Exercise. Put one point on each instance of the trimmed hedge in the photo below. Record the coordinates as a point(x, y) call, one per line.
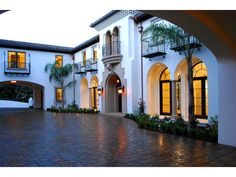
point(73, 108)
point(176, 126)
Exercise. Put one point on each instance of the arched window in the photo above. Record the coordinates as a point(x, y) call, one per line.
point(165, 93)
point(200, 90)
point(108, 44)
point(115, 41)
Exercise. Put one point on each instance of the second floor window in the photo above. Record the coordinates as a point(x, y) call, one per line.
point(58, 94)
point(59, 60)
point(95, 54)
point(16, 60)
point(84, 58)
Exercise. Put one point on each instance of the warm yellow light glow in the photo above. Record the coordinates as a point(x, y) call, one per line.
point(58, 94)
point(120, 91)
point(99, 92)
point(59, 60)
point(13, 82)
point(117, 81)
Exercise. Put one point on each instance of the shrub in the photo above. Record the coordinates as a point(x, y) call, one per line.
point(142, 120)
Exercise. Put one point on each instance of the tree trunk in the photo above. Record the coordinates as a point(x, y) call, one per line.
point(191, 118)
point(62, 95)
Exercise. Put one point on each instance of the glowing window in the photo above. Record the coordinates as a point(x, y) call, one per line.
point(16, 59)
point(200, 70)
point(95, 54)
point(200, 90)
point(165, 92)
point(58, 94)
point(165, 75)
point(59, 60)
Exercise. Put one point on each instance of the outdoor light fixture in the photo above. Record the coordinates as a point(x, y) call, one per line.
point(100, 90)
point(13, 82)
point(120, 89)
point(140, 28)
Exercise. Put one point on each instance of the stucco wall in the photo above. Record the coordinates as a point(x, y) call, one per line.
point(38, 62)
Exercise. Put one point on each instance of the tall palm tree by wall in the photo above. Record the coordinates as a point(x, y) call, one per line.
point(59, 74)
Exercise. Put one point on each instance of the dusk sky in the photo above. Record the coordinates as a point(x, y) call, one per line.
point(66, 22)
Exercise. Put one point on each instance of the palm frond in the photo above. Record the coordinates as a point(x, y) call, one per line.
point(70, 84)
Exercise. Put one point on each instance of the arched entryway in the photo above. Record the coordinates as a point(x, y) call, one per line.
point(93, 94)
point(113, 99)
point(200, 83)
point(157, 97)
point(37, 93)
point(84, 93)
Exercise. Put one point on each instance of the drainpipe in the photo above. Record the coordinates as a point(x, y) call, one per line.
point(140, 29)
point(73, 59)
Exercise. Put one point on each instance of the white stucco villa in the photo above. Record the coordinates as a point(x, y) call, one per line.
point(109, 75)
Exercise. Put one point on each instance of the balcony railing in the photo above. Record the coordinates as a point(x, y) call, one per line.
point(111, 53)
point(111, 49)
point(152, 48)
point(81, 68)
point(17, 68)
point(181, 45)
point(89, 66)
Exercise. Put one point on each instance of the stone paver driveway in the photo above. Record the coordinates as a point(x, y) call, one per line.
point(37, 138)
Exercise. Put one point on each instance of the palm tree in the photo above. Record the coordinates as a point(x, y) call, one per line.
point(58, 74)
point(174, 35)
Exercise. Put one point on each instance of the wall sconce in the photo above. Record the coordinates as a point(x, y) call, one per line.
point(120, 89)
point(100, 90)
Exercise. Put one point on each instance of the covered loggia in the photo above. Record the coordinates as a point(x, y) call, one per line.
point(216, 29)
point(35, 91)
point(158, 90)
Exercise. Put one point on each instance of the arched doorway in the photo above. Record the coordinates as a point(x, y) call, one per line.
point(20, 89)
point(200, 83)
point(93, 93)
point(113, 100)
point(165, 92)
point(84, 93)
point(153, 87)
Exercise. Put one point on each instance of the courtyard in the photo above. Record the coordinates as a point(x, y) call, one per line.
point(32, 138)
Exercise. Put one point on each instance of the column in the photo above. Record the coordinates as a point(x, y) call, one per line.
point(173, 97)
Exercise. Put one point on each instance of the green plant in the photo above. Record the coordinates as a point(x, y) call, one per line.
point(142, 120)
point(59, 75)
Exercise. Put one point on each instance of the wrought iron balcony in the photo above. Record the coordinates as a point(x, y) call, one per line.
point(81, 68)
point(152, 48)
point(111, 53)
point(91, 65)
point(181, 45)
point(17, 68)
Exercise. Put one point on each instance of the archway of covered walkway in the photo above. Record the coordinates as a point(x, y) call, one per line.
point(216, 29)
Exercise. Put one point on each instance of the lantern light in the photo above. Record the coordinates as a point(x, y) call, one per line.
point(100, 90)
point(121, 89)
